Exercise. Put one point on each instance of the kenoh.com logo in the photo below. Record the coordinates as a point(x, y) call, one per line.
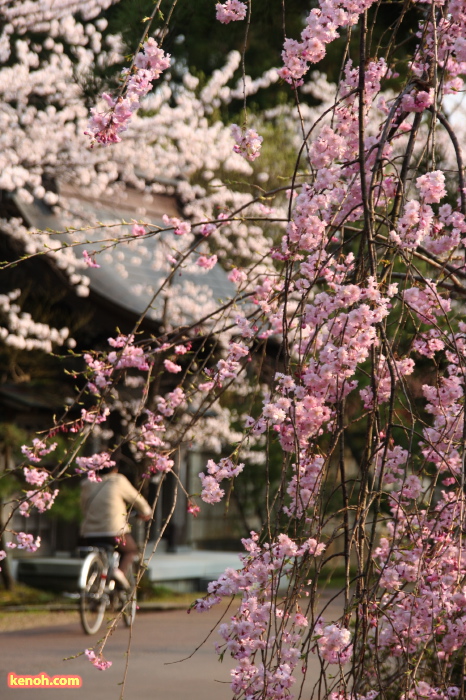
point(43, 680)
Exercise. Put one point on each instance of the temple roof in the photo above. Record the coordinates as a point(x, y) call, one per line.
point(133, 273)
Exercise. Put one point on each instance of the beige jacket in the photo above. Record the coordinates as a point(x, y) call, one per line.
point(105, 504)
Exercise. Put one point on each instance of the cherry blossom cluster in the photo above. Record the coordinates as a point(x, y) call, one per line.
point(230, 367)
point(384, 381)
point(148, 66)
point(97, 660)
point(446, 41)
point(322, 28)
point(40, 13)
point(225, 469)
point(168, 405)
point(230, 11)
point(36, 477)
point(414, 226)
point(101, 371)
point(394, 465)
point(435, 562)
point(95, 415)
point(443, 438)
point(432, 186)
point(150, 441)
point(25, 541)
point(90, 260)
point(334, 644)
point(429, 343)
point(446, 237)
point(253, 631)
point(20, 331)
point(426, 302)
point(150, 437)
point(39, 449)
point(42, 500)
point(425, 690)
point(418, 100)
point(180, 228)
point(127, 354)
point(303, 487)
point(248, 142)
point(207, 262)
point(90, 466)
point(172, 367)
point(341, 341)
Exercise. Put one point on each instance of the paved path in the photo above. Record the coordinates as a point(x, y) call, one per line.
point(158, 638)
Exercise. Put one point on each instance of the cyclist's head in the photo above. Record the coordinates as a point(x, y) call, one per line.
point(107, 470)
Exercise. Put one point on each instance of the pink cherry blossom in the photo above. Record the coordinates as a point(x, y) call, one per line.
point(24, 541)
point(37, 477)
point(207, 229)
point(334, 644)
point(91, 465)
point(432, 186)
point(104, 127)
point(172, 366)
point(39, 449)
point(418, 101)
point(97, 660)
point(162, 463)
point(237, 276)
point(206, 386)
point(89, 260)
point(126, 353)
point(138, 230)
point(193, 509)
point(230, 11)
point(211, 491)
point(180, 227)
point(207, 262)
point(248, 142)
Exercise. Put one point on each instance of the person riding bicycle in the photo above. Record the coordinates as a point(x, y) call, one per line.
point(104, 506)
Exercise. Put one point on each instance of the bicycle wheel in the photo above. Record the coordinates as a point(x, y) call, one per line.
point(92, 601)
point(128, 599)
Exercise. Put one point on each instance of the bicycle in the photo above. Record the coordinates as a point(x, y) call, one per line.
point(98, 589)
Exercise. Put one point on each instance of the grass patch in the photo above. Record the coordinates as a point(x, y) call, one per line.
point(163, 594)
point(25, 595)
point(15, 621)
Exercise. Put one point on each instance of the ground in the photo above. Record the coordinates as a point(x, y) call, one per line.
point(159, 640)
